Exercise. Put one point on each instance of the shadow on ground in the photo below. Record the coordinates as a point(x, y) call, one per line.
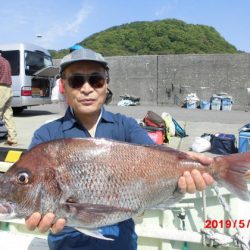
point(27, 113)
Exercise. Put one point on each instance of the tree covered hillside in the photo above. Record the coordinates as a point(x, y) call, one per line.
point(169, 36)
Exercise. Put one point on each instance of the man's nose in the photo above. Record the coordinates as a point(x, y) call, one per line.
point(86, 87)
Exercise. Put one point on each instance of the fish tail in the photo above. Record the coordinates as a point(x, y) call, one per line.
point(233, 172)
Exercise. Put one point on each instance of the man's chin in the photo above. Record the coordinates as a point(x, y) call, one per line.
point(89, 109)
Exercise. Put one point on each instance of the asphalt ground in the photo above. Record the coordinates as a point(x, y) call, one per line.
point(196, 122)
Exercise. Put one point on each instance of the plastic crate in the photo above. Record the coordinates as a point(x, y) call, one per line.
point(216, 104)
point(226, 105)
point(205, 105)
point(191, 105)
point(244, 142)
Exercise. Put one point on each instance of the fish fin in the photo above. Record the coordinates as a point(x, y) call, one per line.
point(140, 213)
point(96, 208)
point(93, 233)
point(179, 155)
point(86, 217)
point(177, 196)
point(91, 213)
point(233, 171)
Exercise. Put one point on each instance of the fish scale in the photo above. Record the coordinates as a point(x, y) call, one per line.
point(98, 182)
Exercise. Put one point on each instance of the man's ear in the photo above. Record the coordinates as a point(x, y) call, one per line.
point(108, 96)
point(61, 86)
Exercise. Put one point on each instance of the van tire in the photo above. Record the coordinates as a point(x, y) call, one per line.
point(17, 110)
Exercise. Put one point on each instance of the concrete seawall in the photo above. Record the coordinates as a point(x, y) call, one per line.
point(167, 79)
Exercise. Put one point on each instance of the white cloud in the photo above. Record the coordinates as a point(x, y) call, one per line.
point(80, 17)
point(68, 28)
point(161, 12)
point(167, 9)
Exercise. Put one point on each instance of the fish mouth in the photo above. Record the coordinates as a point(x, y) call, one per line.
point(7, 210)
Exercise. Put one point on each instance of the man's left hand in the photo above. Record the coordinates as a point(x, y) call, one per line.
point(194, 181)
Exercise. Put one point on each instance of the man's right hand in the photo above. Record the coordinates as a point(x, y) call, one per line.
point(45, 223)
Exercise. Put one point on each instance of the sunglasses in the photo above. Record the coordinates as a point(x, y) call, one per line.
point(95, 80)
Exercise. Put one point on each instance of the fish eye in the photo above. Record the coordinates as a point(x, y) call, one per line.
point(23, 178)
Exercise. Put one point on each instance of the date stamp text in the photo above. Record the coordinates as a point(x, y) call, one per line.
point(227, 224)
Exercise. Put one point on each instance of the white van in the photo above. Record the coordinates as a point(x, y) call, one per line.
point(29, 88)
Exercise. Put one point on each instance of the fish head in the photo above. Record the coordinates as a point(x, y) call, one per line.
point(16, 191)
point(28, 186)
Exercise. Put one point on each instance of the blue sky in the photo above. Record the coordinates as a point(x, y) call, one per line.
point(65, 22)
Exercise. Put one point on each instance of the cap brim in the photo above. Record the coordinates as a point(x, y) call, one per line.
point(63, 66)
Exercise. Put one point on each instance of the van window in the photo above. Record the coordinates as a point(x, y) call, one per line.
point(13, 56)
point(36, 60)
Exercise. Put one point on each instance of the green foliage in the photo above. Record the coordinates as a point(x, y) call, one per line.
point(58, 54)
point(169, 36)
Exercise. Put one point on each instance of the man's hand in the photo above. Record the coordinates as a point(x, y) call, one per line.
point(45, 223)
point(194, 181)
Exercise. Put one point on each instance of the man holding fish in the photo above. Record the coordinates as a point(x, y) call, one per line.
point(84, 80)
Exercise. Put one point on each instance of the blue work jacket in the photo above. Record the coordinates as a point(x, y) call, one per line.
point(112, 126)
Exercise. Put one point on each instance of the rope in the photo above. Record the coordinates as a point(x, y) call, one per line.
point(204, 203)
point(216, 239)
point(240, 240)
point(182, 216)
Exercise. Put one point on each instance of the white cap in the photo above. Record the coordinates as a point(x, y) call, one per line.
point(82, 55)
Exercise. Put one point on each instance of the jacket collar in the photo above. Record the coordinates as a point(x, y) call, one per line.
point(70, 121)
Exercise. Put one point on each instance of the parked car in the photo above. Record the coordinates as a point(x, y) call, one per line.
point(29, 88)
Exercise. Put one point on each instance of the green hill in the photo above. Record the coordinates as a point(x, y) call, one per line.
point(169, 36)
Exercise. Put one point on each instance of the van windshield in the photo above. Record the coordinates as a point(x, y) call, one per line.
point(36, 60)
point(13, 56)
